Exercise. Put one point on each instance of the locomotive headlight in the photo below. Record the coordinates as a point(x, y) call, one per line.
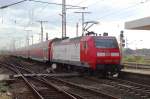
point(115, 54)
point(100, 54)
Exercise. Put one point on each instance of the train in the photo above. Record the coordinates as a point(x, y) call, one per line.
point(97, 54)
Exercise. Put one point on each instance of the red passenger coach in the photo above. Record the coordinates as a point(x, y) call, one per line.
point(41, 51)
point(95, 53)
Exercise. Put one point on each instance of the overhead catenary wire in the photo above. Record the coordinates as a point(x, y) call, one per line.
point(108, 14)
point(112, 13)
point(119, 11)
point(81, 2)
point(64, 5)
point(12, 4)
point(3, 7)
point(59, 4)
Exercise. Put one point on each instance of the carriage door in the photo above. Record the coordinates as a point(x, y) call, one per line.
point(45, 54)
point(84, 51)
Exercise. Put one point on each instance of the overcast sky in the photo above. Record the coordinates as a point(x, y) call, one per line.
point(111, 15)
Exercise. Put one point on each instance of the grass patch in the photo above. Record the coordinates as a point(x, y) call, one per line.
point(136, 59)
point(4, 96)
point(4, 87)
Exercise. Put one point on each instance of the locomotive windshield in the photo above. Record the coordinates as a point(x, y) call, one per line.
point(106, 43)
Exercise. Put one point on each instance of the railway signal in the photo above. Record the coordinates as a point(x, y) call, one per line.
point(122, 40)
point(122, 43)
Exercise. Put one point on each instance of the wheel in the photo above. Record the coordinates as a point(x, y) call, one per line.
point(104, 74)
point(54, 66)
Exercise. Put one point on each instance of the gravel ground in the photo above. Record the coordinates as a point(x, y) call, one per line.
point(17, 88)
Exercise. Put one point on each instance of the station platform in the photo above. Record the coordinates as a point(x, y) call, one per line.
point(137, 71)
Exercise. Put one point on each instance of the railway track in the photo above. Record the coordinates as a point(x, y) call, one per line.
point(71, 91)
point(40, 89)
point(46, 90)
point(83, 91)
point(83, 87)
point(136, 90)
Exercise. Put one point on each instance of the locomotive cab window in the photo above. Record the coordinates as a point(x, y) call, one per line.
point(106, 43)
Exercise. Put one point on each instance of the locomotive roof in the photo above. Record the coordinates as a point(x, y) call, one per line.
point(105, 37)
point(57, 40)
point(78, 39)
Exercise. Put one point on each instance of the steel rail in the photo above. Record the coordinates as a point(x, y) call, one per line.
point(130, 82)
point(136, 85)
point(39, 96)
point(118, 83)
point(43, 80)
point(72, 84)
point(85, 88)
point(142, 90)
